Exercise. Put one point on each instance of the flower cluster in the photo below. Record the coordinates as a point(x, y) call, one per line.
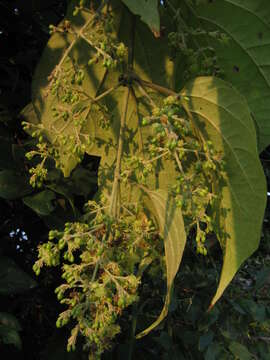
point(100, 270)
point(198, 165)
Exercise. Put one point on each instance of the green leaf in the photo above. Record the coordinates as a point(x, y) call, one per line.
point(171, 227)
point(221, 115)
point(240, 351)
point(13, 280)
point(41, 203)
point(13, 185)
point(97, 81)
point(205, 340)
point(262, 278)
point(245, 59)
point(9, 335)
point(147, 10)
point(10, 321)
point(213, 352)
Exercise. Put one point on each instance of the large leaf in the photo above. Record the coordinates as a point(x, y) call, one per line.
point(97, 81)
point(147, 10)
point(13, 280)
point(172, 230)
point(222, 116)
point(245, 60)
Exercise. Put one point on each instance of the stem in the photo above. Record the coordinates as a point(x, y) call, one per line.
point(133, 330)
point(158, 157)
point(115, 188)
point(105, 93)
point(71, 45)
point(159, 88)
point(178, 162)
point(144, 93)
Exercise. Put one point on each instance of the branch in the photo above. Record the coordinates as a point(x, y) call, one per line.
point(115, 188)
point(159, 88)
point(68, 50)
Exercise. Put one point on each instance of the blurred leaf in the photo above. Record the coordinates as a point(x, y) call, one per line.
point(213, 352)
point(262, 278)
point(237, 307)
point(9, 335)
point(205, 340)
point(13, 185)
point(41, 203)
point(240, 351)
point(10, 321)
point(13, 280)
point(257, 311)
point(209, 319)
point(164, 340)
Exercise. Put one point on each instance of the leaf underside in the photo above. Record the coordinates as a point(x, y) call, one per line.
point(222, 116)
point(147, 10)
point(245, 59)
point(172, 230)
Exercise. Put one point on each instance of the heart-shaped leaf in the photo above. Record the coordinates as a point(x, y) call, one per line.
point(222, 116)
point(66, 49)
point(245, 59)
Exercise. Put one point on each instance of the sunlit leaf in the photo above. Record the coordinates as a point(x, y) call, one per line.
point(222, 116)
point(147, 10)
point(172, 230)
point(97, 81)
point(245, 59)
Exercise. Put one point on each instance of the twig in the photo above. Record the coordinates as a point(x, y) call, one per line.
point(159, 88)
point(113, 204)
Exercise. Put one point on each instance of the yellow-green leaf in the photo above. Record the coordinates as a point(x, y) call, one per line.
point(221, 114)
point(147, 10)
point(97, 81)
point(171, 227)
point(245, 58)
